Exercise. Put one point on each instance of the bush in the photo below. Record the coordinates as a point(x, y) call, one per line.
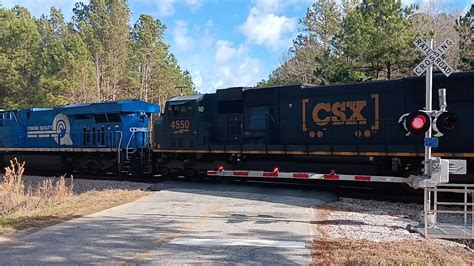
point(14, 198)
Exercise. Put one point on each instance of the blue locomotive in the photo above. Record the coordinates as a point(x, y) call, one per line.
point(92, 138)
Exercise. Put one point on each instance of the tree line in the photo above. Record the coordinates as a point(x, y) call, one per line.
point(370, 39)
point(96, 56)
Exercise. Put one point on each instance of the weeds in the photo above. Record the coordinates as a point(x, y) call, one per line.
point(50, 201)
point(15, 199)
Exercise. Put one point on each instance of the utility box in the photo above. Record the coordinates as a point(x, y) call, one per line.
point(439, 169)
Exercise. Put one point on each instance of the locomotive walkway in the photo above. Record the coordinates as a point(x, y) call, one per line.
point(183, 223)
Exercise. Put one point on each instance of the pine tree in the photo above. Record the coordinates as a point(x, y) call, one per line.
point(64, 64)
point(147, 35)
point(97, 57)
point(465, 28)
point(377, 34)
point(103, 25)
point(19, 46)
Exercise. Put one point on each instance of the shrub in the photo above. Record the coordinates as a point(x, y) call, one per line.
point(15, 198)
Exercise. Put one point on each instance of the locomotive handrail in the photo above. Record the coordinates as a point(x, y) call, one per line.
point(14, 116)
point(119, 146)
point(128, 145)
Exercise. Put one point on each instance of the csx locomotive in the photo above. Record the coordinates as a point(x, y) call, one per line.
point(348, 128)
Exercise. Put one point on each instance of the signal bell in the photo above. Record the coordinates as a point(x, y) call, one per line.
point(414, 123)
point(444, 123)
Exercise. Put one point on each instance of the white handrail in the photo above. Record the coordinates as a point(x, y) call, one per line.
point(431, 208)
point(118, 146)
point(128, 145)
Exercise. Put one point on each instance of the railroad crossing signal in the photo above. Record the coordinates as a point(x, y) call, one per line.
point(433, 56)
point(419, 122)
point(443, 123)
point(414, 123)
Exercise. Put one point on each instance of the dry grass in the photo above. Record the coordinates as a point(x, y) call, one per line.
point(15, 199)
point(362, 252)
point(50, 202)
point(346, 251)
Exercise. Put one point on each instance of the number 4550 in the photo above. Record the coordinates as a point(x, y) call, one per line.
point(180, 124)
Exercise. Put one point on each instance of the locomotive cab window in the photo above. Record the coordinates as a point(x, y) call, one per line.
point(182, 109)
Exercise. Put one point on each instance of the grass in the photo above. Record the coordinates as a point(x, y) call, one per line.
point(51, 201)
point(347, 251)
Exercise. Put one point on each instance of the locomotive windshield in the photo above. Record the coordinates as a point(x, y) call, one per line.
point(183, 105)
point(183, 109)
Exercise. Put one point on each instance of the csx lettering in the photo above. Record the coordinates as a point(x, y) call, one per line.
point(323, 113)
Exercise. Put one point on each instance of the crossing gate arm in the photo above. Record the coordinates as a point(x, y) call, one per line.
point(306, 175)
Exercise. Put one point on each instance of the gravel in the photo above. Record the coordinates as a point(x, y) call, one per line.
point(378, 221)
point(84, 185)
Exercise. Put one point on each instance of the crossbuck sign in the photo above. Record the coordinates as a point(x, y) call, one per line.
point(433, 57)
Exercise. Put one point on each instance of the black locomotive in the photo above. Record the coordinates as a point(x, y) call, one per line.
point(349, 128)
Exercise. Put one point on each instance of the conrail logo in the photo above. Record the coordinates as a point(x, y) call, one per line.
point(60, 130)
point(138, 129)
point(342, 113)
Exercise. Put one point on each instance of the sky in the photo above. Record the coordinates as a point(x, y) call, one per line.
point(222, 43)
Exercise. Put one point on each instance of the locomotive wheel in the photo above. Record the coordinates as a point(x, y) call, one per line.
point(192, 174)
point(166, 173)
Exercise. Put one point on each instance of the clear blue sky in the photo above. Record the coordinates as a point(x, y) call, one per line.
point(222, 42)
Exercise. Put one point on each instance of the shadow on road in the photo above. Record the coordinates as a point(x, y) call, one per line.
point(251, 191)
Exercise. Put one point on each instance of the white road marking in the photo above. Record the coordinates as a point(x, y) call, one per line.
point(237, 242)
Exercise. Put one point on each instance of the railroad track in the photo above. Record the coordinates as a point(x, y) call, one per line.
point(383, 192)
point(359, 190)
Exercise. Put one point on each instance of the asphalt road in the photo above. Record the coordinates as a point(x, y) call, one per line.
point(183, 223)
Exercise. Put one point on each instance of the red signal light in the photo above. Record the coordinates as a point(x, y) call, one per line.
point(418, 122)
point(414, 123)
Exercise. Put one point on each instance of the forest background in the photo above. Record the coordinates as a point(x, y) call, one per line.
point(99, 55)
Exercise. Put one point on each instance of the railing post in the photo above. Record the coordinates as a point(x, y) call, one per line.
point(465, 205)
point(435, 205)
point(425, 208)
